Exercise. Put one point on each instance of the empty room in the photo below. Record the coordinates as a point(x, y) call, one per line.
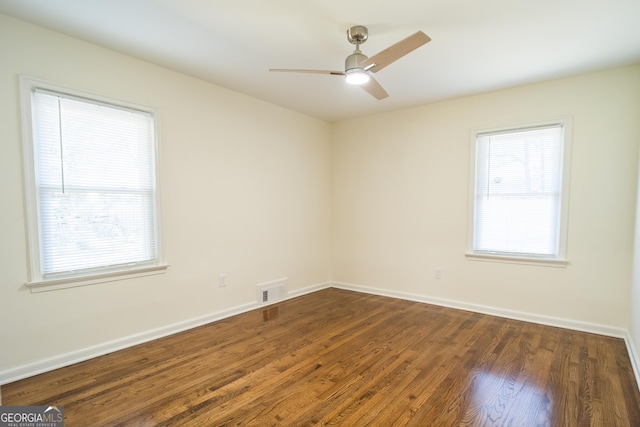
point(320, 213)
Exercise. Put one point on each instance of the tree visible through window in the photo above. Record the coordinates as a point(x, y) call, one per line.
point(93, 186)
point(519, 193)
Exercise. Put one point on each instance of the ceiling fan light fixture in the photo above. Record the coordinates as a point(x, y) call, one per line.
point(356, 76)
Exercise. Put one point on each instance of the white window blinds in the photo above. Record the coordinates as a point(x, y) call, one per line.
point(518, 192)
point(95, 185)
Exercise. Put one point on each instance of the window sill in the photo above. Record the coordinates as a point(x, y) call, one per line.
point(541, 262)
point(72, 282)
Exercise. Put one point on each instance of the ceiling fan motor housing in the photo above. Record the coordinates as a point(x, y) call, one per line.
point(354, 60)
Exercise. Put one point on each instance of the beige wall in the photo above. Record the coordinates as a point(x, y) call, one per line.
point(634, 324)
point(401, 200)
point(246, 192)
point(259, 192)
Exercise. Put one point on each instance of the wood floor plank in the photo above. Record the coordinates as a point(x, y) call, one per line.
point(343, 358)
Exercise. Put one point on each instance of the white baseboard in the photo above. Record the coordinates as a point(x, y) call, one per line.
point(493, 311)
point(308, 290)
point(633, 355)
point(45, 365)
point(66, 359)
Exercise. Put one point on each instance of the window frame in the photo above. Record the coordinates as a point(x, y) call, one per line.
point(36, 281)
point(496, 256)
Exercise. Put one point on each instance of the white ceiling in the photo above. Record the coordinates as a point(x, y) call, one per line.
point(476, 45)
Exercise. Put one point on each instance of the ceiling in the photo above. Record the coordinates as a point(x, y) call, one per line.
point(476, 46)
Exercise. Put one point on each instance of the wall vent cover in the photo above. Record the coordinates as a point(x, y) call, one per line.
point(273, 291)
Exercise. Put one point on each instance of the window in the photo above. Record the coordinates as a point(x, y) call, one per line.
point(520, 182)
point(92, 189)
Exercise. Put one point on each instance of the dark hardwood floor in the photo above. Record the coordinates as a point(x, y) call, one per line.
point(336, 357)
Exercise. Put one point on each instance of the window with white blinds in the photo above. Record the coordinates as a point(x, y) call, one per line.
point(519, 203)
point(93, 186)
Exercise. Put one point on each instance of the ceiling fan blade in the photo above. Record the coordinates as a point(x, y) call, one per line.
point(286, 70)
point(393, 53)
point(374, 89)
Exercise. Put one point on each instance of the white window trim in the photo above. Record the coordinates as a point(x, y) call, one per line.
point(561, 260)
point(36, 282)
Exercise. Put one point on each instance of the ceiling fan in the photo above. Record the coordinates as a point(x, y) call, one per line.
point(358, 67)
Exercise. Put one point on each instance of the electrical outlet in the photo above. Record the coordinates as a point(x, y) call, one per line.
point(437, 274)
point(222, 280)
